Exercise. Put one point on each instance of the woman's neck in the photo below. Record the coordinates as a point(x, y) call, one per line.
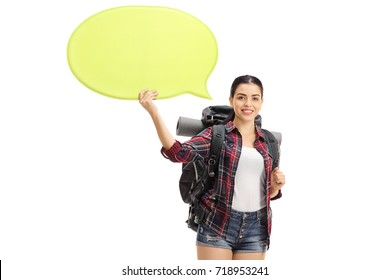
point(245, 128)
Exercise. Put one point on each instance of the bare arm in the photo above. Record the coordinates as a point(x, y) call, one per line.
point(146, 98)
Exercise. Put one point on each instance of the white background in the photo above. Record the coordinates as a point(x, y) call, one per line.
point(84, 191)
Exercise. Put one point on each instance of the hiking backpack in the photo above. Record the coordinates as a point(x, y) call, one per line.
point(198, 177)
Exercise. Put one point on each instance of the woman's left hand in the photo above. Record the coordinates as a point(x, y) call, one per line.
point(277, 181)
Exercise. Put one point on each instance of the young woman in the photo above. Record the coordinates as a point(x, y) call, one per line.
point(237, 220)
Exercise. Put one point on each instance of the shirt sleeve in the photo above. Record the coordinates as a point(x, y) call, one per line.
point(198, 147)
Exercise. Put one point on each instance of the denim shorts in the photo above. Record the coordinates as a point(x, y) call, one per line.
point(247, 233)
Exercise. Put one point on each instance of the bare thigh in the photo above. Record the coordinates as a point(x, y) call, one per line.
point(248, 256)
point(213, 253)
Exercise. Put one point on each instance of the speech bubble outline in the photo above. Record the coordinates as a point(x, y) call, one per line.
point(119, 51)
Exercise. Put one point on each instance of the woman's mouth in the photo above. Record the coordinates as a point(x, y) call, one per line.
point(247, 111)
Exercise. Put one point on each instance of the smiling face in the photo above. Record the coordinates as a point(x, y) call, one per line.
point(246, 102)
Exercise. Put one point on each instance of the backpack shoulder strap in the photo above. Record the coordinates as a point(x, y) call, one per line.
point(215, 149)
point(273, 147)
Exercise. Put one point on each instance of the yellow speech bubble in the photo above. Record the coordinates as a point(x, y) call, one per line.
point(120, 51)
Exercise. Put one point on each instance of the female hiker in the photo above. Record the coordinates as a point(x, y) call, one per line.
point(237, 219)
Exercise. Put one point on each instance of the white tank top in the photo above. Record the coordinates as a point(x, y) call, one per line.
point(249, 189)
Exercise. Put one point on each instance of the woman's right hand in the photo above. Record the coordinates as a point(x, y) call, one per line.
point(146, 98)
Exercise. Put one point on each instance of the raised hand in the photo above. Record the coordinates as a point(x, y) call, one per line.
point(146, 98)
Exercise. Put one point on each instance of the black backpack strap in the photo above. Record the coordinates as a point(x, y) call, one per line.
point(215, 149)
point(212, 164)
point(274, 151)
point(273, 147)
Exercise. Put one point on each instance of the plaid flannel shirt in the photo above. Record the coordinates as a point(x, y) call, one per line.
point(217, 203)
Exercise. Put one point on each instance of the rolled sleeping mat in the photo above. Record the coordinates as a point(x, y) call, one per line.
point(189, 127)
point(278, 137)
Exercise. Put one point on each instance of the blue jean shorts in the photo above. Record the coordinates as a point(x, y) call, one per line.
point(247, 233)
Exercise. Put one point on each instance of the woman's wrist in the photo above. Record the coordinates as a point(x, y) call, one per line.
point(274, 193)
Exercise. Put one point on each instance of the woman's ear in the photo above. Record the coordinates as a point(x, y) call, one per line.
point(231, 101)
